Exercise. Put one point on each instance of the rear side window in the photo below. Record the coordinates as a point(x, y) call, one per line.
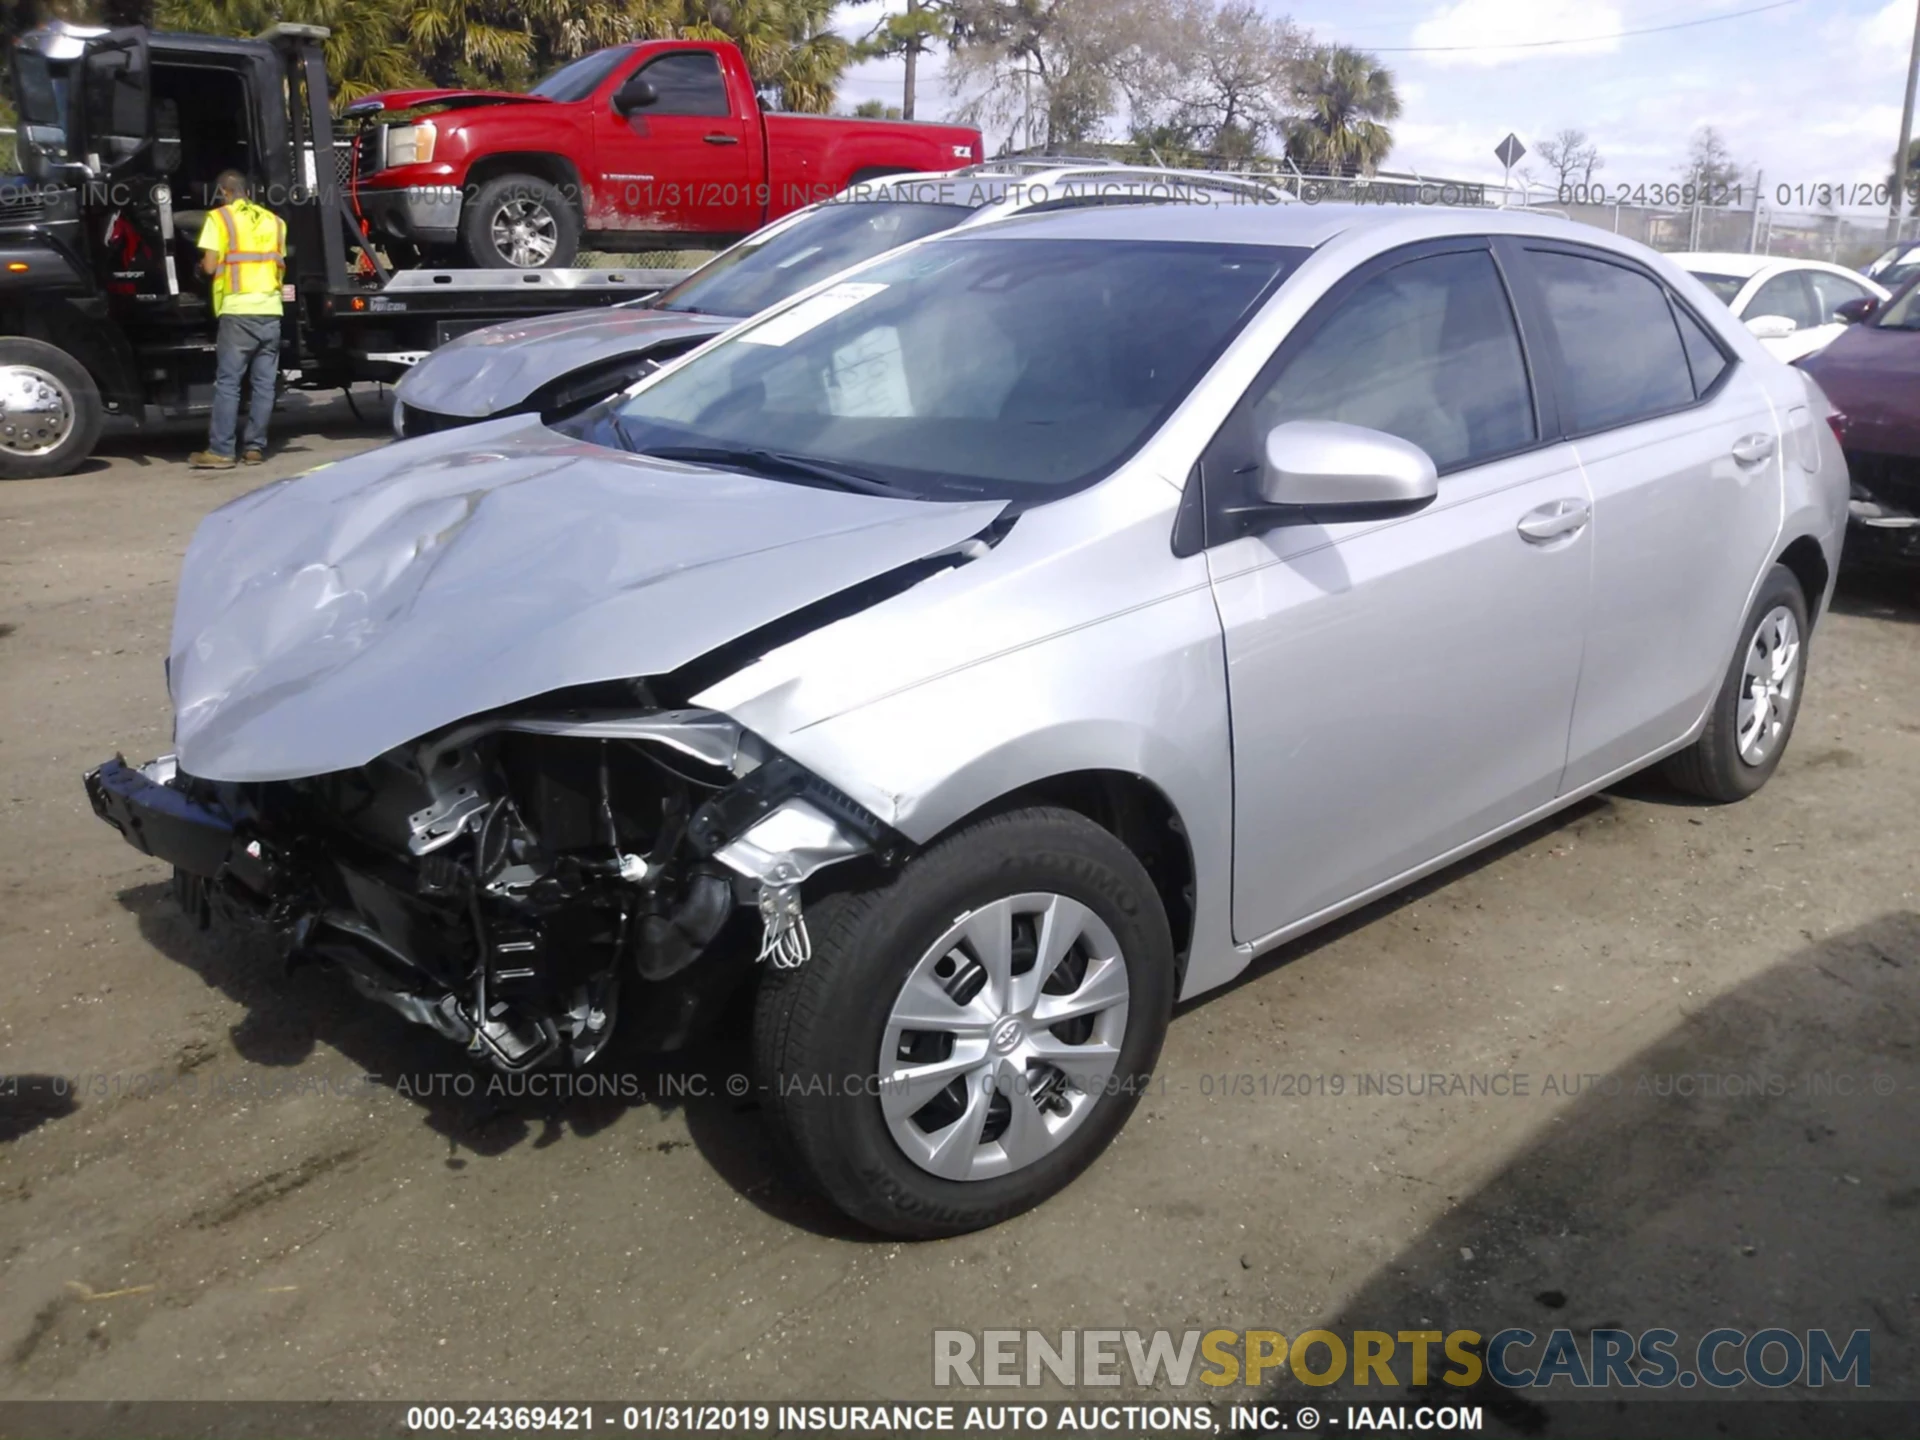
point(1617, 339)
point(688, 83)
point(1426, 351)
point(1704, 356)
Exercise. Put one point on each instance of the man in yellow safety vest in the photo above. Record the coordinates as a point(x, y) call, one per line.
point(244, 248)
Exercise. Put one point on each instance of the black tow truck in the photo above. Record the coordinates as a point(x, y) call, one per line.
point(103, 309)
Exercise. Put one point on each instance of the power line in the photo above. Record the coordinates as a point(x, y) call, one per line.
point(1581, 39)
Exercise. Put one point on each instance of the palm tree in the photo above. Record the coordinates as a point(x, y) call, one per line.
point(1345, 96)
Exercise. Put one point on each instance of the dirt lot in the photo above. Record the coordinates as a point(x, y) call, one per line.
point(224, 1205)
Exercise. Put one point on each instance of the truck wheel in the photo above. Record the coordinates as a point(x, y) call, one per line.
point(50, 410)
point(968, 1035)
point(520, 222)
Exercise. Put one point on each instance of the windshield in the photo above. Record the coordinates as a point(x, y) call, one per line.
point(1903, 311)
point(967, 367)
point(758, 273)
point(580, 78)
point(1724, 287)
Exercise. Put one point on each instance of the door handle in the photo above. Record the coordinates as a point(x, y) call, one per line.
point(1554, 520)
point(722, 139)
point(1752, 449)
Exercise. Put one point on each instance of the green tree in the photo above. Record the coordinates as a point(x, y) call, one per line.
point(877, 110)
point(1344, 98)
point(392, 44)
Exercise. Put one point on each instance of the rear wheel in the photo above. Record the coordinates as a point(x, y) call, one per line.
point(1752, 717)
point(520, 222)
point(50, 410)
point(969, 1036)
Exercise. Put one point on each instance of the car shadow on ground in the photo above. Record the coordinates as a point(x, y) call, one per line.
point(1878, 593)
point(1758, 1166)
point(289, 1014)
point(365, 411)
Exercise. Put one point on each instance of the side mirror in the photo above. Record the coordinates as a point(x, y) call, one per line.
point(1854, 311)
point(1771, 327)
point(636, 94)
point(1325, 469)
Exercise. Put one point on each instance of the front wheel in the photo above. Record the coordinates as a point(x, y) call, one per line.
point(50, 410)
point(520, 222)
point(968, 1037)
point(1752, 717)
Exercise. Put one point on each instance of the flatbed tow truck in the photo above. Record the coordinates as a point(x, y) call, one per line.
point(103, 309)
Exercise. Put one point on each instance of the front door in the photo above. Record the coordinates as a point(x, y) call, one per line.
point(687, 160)
point(1680, 447)
point(1399, 688)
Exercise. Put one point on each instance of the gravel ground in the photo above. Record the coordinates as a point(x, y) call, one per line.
point(223, 1205)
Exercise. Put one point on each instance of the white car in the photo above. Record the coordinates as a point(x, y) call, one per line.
point(1791, 306)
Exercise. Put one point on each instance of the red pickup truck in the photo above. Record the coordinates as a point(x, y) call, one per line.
point(619, 150)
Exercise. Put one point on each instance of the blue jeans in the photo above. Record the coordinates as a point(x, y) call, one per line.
point(247, 345)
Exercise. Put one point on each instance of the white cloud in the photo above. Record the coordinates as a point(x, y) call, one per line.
point(1474, 32)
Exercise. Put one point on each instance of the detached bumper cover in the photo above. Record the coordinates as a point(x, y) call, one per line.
point(159, 820)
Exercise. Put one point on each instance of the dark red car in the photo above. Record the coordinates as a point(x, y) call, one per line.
point(1872, 375)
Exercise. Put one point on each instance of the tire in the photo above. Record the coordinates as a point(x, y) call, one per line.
point(819, 1029)
point(50, 410)
point(524, 216)
point(877, 172)
point(1718, 766)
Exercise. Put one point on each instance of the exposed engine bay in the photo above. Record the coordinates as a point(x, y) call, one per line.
point(511, 881)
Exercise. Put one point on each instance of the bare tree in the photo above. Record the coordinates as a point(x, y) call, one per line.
point(1571, 156)
point(1710, 167)
point(1049, 69)
point(1221, 75)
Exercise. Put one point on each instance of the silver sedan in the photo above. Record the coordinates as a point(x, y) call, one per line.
point(990, 646)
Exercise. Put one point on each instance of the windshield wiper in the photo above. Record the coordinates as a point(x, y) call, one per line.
point(776, 462)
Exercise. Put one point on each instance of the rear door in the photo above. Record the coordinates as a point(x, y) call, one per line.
point(1682, 454)
point(685, 162)
point(1398, 688)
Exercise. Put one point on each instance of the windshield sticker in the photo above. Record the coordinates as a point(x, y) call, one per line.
point(791, 324)
point(869, 377)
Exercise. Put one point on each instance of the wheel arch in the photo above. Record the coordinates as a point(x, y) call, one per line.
point(100, 347)
point(1808, 562)
point(1137, 813)
point(556, 170)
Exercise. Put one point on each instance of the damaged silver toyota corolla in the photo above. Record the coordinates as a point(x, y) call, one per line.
point(987, 647)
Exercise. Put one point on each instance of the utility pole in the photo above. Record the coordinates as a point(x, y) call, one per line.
point(1906, 137)
point(912, 57)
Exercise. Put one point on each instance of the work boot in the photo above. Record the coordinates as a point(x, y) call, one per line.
point(207, 460)
point(253, 455)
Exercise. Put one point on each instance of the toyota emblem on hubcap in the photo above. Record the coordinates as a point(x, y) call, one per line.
point(1006, 1035)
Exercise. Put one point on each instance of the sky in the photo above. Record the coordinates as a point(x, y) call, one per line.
point(1807, 91)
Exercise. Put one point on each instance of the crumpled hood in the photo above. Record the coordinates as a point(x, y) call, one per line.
point(452, 99)
point(326, 619)
point(489, 371)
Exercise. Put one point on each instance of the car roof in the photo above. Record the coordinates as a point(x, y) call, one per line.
point(1725, 262)
point(1300, 224)
point(1024, 186)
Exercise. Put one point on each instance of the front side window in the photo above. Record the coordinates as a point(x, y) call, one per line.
point(1902, 312)
point(758, 273)
point(1833, 291)
point(1617, 339)
point(1014, 368)
point(580, 78)
point(1787, 295)
point(1427, 351)
point(688, 82)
